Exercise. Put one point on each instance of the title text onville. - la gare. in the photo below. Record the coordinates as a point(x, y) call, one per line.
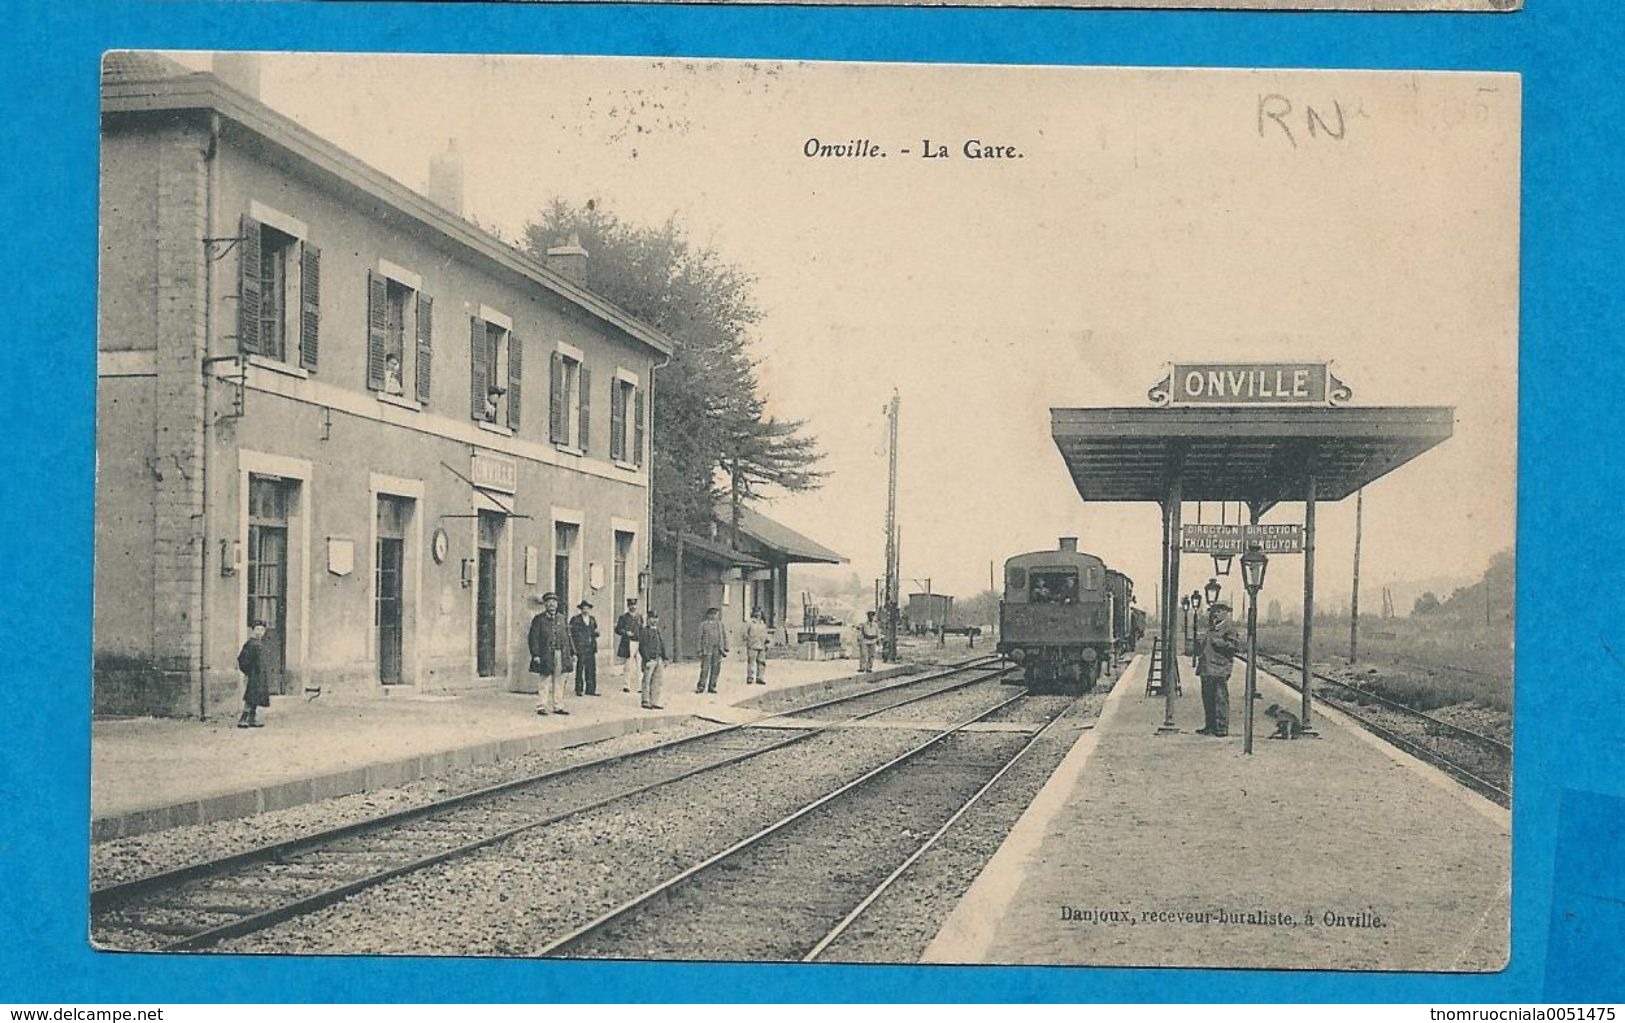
point(867, 149)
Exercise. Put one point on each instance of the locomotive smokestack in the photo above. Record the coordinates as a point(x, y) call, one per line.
point(1069, 543)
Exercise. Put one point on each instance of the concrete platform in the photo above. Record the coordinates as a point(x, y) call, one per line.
point(1332, 853)
point(148, 774)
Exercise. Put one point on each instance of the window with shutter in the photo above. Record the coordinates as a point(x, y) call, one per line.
point(617, 421)
point(557, 428)
point(248, 287)
point(584, 433)
point(425, 359)
point(637, 426)
point(479, 381)
point(310, 301)
point(377, 329)
point(515, 349)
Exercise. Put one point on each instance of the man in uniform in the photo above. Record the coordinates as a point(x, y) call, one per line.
point(549, 642)
point(627, 627)
point(584, 646)
point(756, 644)
point(868, 636)
point(652, 648)
point(713, 648)
point(1215, 656)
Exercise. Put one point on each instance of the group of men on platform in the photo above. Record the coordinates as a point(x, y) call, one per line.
point(557, 644)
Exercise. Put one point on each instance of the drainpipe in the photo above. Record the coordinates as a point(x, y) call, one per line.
point(210, 189)
point(649, 491)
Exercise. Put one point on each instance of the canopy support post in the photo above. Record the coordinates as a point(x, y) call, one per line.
point(1308, 596)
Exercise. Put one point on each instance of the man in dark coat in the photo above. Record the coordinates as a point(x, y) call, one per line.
point(652, 648)
point(627, 627)
point(584, 647)
point(256, 690)
point(1215, 656)
point(713, 648)
point(549, 651)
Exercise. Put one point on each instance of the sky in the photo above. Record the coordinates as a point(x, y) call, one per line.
point(1151, 216)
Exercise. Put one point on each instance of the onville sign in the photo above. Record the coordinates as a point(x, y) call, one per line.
point(1250, 383)
point(1278, 538)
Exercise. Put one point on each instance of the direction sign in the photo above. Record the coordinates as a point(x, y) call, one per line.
point(1277, 538)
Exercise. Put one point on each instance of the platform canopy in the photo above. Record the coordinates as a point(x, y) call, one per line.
point(1259, 455)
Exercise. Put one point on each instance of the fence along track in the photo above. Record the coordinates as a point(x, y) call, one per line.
point(113, 900)
point(1462, 774)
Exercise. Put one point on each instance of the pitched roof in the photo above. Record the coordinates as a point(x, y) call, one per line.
point(134, 83)
point(777, 537)
point(711, 550)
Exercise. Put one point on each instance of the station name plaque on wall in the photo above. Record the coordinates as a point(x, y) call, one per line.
point(492, 472)
point(1250, 383)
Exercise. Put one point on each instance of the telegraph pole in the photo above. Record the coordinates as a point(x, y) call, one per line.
point(889, 653)
point(1354, 603)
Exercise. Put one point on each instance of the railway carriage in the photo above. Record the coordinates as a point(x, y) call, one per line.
point(1120, 591)
point(1055, 618)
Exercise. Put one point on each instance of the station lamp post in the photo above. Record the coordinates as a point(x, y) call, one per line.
point(1213, 590)
point(1253, 565)
point(1185, 621)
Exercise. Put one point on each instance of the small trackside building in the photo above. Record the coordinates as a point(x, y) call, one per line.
point(334, 406)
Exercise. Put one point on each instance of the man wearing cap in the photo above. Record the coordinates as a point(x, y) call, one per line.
point(713, 648)
point(868, 636)
point(757, 639)
point(1215, 656)
point(652, 648)
point(549, 651)
point(627, 627)
point(584, 646)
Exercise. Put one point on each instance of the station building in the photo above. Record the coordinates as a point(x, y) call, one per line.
point(333, 405)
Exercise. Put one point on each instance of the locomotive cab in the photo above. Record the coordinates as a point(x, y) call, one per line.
point(1055, 619)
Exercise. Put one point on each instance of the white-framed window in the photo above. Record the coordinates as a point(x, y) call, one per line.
point(626, 420)
point(278, 289)
point(400, 323)
point(494, 382)
point(570, 400)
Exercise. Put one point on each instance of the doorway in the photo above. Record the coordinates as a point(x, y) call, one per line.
point(389, 600)
point(485, 603)
point(268, 499)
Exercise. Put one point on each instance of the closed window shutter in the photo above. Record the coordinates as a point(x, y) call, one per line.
point(377, 328)
point(310, 301)
point(425, 346)
point(617, 421)
point(515, 349)
point(637, 426)
point(249, 272)
point(586, 407)
point(479, 383)
point(555, 402)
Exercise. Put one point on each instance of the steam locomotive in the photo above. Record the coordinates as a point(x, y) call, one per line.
point(1064, 616)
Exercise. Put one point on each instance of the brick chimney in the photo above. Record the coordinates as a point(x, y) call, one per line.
point(446, 178)
point(1070, 544)
point(569, 260)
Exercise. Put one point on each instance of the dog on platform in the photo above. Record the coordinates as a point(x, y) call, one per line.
point(1287, 725)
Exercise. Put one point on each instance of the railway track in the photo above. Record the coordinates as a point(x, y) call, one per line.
point(1480, 762)
point(793, 888)
point(203, 903)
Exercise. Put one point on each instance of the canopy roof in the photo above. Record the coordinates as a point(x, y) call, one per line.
point(775, 537)
point(1260, 455)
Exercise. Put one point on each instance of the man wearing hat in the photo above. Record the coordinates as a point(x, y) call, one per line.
point(1215, 656)
point(584, 645)
point(627, 628)
point(549, 651)
point(713, 648)
point(652, 648)
point(868, 636)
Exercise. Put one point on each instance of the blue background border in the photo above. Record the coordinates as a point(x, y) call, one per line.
point(1571, 649)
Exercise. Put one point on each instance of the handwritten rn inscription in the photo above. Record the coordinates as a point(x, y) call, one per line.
point(1279, 117)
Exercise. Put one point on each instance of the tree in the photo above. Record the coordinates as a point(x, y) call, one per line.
point(709, 417)
point(1426, 604)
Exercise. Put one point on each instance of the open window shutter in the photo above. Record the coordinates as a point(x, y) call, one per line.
point(249, 273)
point(555, 403)
point(515, 349)
point(425, 345)
point(586, 407)
point(310, 299)
point(478, 383)
point(377, 328)
point(617, 421)
point(637, 426)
